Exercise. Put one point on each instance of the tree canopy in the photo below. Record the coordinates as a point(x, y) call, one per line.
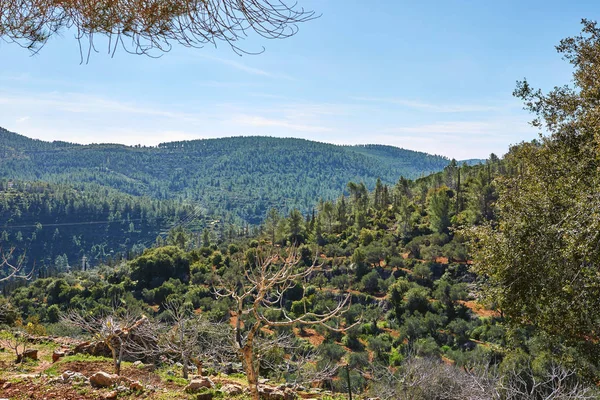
point(541, 258)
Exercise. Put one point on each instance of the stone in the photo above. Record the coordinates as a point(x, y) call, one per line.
point(6, 385)
point(57, 355)
point(103, 379)
point(272, 394)
point(136, 386)
point(231, 389)
point(198, 384)
point(32, 354)
point(204, 396)
point(111, 395)
point(138, 364)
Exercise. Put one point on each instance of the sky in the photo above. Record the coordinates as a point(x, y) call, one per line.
point(432, 76)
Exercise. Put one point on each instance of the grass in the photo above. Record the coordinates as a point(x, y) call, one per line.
point(54, 369)
point(174, 378)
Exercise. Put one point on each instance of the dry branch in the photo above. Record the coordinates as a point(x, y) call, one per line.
point(148, 26)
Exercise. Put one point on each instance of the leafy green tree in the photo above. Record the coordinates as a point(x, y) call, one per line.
point(541, 259)
point(439, 210)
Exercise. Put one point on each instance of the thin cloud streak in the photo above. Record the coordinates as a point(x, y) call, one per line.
point(259, 121)
point(244, 68)
point(431, 107)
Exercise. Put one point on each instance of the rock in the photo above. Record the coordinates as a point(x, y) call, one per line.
point(125, 380)
point(262, 381)
point(231, 389)
point(179, 365)
point(6, 385)
point(103, 379)
point(271, 394)
point(136, 386)
point(31, 354)
point(205, 396)
point(111, 395)
point(289, 394)
point(197, 384)
point(57, 355)
point(138, 364)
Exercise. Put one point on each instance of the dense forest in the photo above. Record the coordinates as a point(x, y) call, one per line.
point(401, 251)
point(241, 176)
point(61, 202)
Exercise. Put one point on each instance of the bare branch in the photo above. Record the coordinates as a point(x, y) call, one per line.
point(148, 27)
point(13, 270)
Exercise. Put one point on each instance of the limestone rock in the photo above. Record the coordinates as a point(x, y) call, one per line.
point(204, 396)
point(31, 354)
point(111, 395)
point(231, 389)
point(103, 379)
point(198, 384)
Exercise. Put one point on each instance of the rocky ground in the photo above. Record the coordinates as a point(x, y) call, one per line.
point(53, 371)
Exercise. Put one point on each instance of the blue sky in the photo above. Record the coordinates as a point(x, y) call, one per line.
point(434, 76)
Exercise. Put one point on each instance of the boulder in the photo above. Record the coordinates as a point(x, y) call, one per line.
point(204, 396)
point(138, 364)
point(231, 389)
point(103, 379)
point(271, 393)
point(57, 355)
point(198, 384)
point(31, 354)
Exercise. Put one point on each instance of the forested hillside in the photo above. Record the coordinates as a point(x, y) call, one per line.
point(242, 176)
point(53, 226)
point(400, 251)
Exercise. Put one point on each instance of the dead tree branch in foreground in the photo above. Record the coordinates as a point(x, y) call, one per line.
point(148, 26)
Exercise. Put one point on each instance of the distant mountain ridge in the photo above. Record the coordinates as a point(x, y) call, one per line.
point(243, 176)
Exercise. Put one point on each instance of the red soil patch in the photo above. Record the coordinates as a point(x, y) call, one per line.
point(393, 333)
point(442, 260)
point(479, 309)
point(311, 335)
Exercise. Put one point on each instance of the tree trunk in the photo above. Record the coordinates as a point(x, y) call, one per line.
point(251, 374)
point(115, 360)
point(185, 367)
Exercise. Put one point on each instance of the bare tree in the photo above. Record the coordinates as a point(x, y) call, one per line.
point(556, 383)
point(430, 379)
point(190, 338)
point(258, 293)
point(115, 330)
point(148, 26)
point(10, 269)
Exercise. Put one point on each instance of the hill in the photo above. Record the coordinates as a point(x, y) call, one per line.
point(239, 176)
